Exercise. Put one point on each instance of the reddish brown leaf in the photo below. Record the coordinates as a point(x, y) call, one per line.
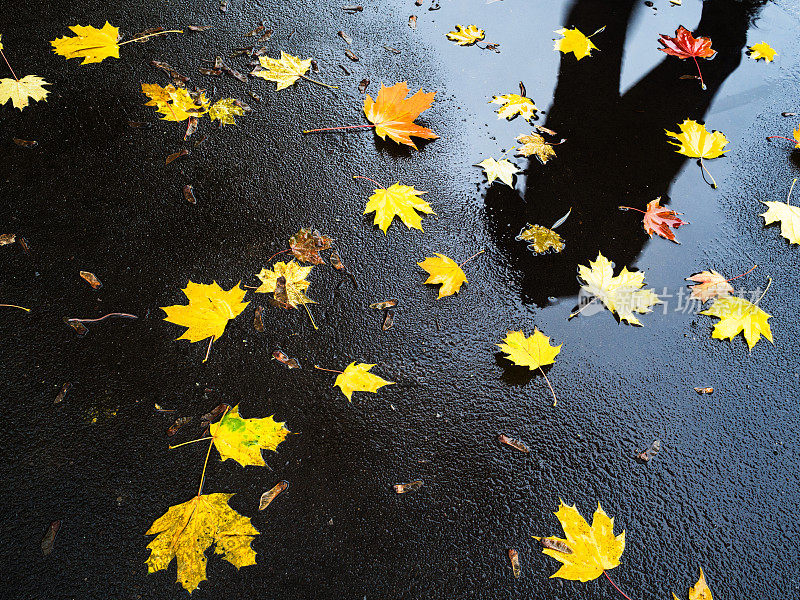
point(306, 245)
point(684, 45)
point(516, 444)
point(269, 496)
point(291, 363)
point(404, 488)
point(258, 322)
point(658, 220)
point(50, 537)
point(179, 422)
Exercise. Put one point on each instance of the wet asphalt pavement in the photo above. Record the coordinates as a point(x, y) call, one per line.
point(95, 195)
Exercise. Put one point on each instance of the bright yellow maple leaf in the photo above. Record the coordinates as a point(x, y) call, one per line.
point(446, 271)
point(502, 169)
point(695, 141)
point(284, 71)
point(762, 50)
point(92, 44)
point(621, 294)
point(243, 439)
point(789, 217)
point(295, 284)
point(532, 352)
point(357, 378)
point(393, 114)
point(512, 105)
point(208, 312)
point(466, 36)
point(700, 590)
point(398, 200)
point(175, 104)
point(574, 41)
point(225, 110)
point(20, 91)
point(593, 549)
point(535, 145)
point(187, 530)
point(738, 315)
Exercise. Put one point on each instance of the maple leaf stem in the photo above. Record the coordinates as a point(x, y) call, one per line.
point(713, 181)
point(769, 283)
point(789, 195)
point(782, 137)
point(743, 274)
point(481, 251)
point(149, 35)
point(582, 308)
point(368, 179)
point(15, 306)
point(552, 391)
point(333, 87)
point(328, 370)
point(208, 352)
point(310, 316)
point(115, 314)
point(277, 253)
point(191, 442)
point(205, 464)
point(615, 586)
point(9, 65)
point(338, 128)
point(702, 83)
point(631, 208)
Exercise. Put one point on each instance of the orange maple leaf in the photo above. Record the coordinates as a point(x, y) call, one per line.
point(658, 219)
point(393, 114)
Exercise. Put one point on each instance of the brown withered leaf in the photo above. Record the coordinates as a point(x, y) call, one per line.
point(306, 245)
point(353, 8)
point(704, 390)
point(62, 393)
point(513, 556)
point(412, 21)
point(144, 34)
point(212, 415)
point(392, 50)
point(176, 155)
point(388, 321)
point(191, 127)
point(346, 38)
point(362, 87)
point(188, 194)
point(555, 544)
point(265, 38)
point(256, 31)
point(24, 243)
point(280, 295)
point(258, 322)
point(646, 455)
point(50, 537)
point(351, 55)
point(79, 327)
point(404, 488)
point(290, 363)
point(268, 497)
point(26, 143)
point(516, 444)
point(198, 27)
point(336, 261)
point(383, 305)
point(7, 238)
point(179, 422)
point(91, 279)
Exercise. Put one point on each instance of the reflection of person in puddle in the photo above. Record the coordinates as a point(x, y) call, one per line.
point(617, 152)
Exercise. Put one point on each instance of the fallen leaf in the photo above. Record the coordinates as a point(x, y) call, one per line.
point(393, 114)
point(244, 439)
point(351, 55)
point(466, 36)
point(700, 590)
point(289, 363)
point(445, 271)
point(555, 544)
point(412, 21)
point(7, 238)
point(208, 312)
point(258, 321)
point(512, 105)
point(62, 393)
point(658, 219)
point(647, 455)
point(91, 279)
point(541, 239)
point(594, 549)
point(404, 488)
point(695, 141)
point(535, 145)
point(307, 244)
point(176, 425)
point(176, 155)
point(187, 530)
point(533, 352)
point(357, 378)
point(383, 305)
point(738, 315)
point(621, 294)
point(92, 44)
point(503, 170)
point(574, 41)
point(269, 496)
point(388, 320)
point(188, 194)
point(225, 110)
point(348, 40)
point(175, 104)
point(787, 215)
point(283, 71)
point(513, 556)
point(398, 200)
point(684, 46)
point(516, 444)
point(704, 390)
point(20, 91)
point(762, 50)
point(294, 280)
point(50, 537)
point(710, 284)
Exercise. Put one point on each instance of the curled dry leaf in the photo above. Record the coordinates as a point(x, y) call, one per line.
point(412, 21)
point(362, 87)
point(351, 55)
point(91, 279)
point(648, 454)
point(346, 38)
point(62, 393)
point(704, 390)
point(383, 305)
point(188, 194)
point(176, 155)
point(388, 320)
point(511, 442)
point(555, 544)
point(404, 488)
point(513, 556)
point(26, 143)
point(49, 538)
point(258, 321)
point(207, 419)
point(336, 261)
point(290, 363)
point(177, 424)
point(269, 496)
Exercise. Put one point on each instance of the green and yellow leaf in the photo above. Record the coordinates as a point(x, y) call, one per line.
point(244, 439)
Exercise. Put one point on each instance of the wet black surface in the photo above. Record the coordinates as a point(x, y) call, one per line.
point(95, 195)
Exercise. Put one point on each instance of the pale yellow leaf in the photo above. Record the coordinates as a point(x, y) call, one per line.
point(19, 92)
point(503, 170)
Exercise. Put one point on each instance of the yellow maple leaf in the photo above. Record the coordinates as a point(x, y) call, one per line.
point(512, 105)
point(243, 439)
point(593, 550)
point(357, 378)
point(738, 315)
point(92, 44)
point(762, 50)
point(695, 141)
point(532, 352)
point(175, 104)
point(541, 239)
point(224, 110)
point(789, 217)
point(710, 284)
point(398, 200)
point(574, 41)
point(700, 590)
point(621, 294)
point(284, 71)
point(393, 114)
point(466, 36)
point(208, 312)
point(502, 169)
point(187, 530)
point(446, 271)
point(535, 145)
point(295, 282)
point(19, 91)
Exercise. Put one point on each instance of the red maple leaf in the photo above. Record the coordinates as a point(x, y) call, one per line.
point(658, 219)
point(684, 45)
